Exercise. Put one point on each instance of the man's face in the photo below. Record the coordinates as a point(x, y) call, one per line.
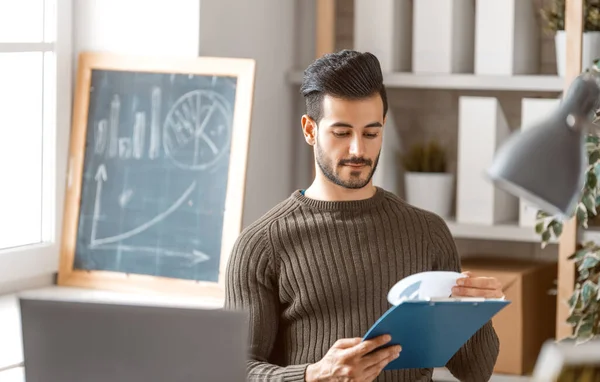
point(349, 140)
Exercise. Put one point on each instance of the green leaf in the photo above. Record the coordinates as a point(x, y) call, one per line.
point(585, 330)
point(594, 156)
point(545, 237)
point(590, 261)
point(590, 203)
point(582, 215)
point(556, 228)
point(580, 254)
point(592, 139)
point(539, 227)
point(541, 215)
point(574, 299)
point(597, 170)
point(588, 292)
point(591, 180)
point(574, 319)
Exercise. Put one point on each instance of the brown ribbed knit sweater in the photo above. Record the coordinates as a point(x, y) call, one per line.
point(310, 272)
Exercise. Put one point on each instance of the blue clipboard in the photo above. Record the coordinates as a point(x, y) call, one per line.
point(431, 332)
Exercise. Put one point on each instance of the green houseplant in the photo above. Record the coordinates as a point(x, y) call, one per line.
point(553, 19)
point(428, 184)
point(584, 303)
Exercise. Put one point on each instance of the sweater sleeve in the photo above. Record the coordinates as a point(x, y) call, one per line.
point(475, 360)
point(251, 286)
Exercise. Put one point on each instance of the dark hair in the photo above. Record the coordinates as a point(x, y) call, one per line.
point(346, 74)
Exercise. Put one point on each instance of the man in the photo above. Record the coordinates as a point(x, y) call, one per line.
point(313, 273)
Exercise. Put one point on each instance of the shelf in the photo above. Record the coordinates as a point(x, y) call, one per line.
point(507, 231)
point(537, 83)
point(443, 375)
point(510, 232)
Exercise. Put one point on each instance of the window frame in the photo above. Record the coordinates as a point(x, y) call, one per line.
point(35, 260)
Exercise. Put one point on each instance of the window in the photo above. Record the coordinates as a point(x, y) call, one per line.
point(35, 59)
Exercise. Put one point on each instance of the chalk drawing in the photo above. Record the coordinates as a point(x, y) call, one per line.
point(154, 148)
point(199, 120)
point(139, 134)
point(194, 257)
point(101, 177)
point(125, 197)
point(101, 136)
point(115, 106)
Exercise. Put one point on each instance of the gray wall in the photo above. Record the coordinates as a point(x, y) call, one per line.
point(262, 30)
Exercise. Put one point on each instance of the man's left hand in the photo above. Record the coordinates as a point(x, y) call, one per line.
point(486, 287)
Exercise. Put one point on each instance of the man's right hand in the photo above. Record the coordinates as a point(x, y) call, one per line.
point(349, 360)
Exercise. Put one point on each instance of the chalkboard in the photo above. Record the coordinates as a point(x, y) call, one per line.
point(157, 172)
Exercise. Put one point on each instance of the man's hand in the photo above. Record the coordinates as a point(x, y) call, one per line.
point(468, 286)
point(349, 360)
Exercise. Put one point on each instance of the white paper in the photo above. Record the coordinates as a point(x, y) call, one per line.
point(424, 286)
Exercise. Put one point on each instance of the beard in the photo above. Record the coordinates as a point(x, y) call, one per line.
point(355, 181)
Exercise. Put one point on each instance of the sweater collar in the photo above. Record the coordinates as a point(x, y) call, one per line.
point(344, 205)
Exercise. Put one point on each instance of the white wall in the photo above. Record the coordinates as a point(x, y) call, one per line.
point(137, 26)
point(262, 30)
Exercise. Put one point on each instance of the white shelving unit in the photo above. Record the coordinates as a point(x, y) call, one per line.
point(541, 83)
point(509, 232)
point(505, 231)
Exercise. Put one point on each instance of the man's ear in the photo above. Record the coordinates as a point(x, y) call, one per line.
point(309, 128)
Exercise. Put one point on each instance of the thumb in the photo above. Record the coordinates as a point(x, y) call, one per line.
point(466, 274)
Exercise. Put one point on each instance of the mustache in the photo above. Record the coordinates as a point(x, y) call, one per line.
point(363, 161)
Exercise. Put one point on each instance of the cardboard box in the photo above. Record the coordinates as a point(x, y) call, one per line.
point(530, 319)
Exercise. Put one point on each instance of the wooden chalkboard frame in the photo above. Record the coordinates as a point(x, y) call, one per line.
point(244, 71)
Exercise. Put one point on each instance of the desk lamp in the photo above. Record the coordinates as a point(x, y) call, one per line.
point(545, 164)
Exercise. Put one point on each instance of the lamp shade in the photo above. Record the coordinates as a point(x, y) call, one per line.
point(545, 164)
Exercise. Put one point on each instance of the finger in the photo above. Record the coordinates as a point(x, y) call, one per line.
point(476, 292)
point(381, 355)
point(373, 371)
point(345, 343)
point(368, 346)
point(479, 282)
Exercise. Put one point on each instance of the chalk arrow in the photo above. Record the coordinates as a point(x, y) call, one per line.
point(101, 173)
point(200, 256)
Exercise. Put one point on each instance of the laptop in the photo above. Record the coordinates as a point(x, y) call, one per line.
point(75, 341)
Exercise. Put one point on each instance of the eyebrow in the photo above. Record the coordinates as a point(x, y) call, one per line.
point(345, 124)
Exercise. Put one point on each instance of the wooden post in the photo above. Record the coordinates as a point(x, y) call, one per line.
point(568, 240)
point(325, 27)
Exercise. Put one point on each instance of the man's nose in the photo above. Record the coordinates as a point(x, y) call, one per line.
point(357, 146)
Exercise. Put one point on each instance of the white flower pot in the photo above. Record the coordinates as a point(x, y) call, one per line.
point(590, 50)
point(430, 191)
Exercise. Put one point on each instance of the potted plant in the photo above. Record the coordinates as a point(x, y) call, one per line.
point(553, 17)
point(428, 185)
point(584, 303)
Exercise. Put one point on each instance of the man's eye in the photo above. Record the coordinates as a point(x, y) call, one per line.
point(372, 135)
point(344, 134)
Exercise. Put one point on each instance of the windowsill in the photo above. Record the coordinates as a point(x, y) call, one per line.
point(11, 346)
point(13, 375)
